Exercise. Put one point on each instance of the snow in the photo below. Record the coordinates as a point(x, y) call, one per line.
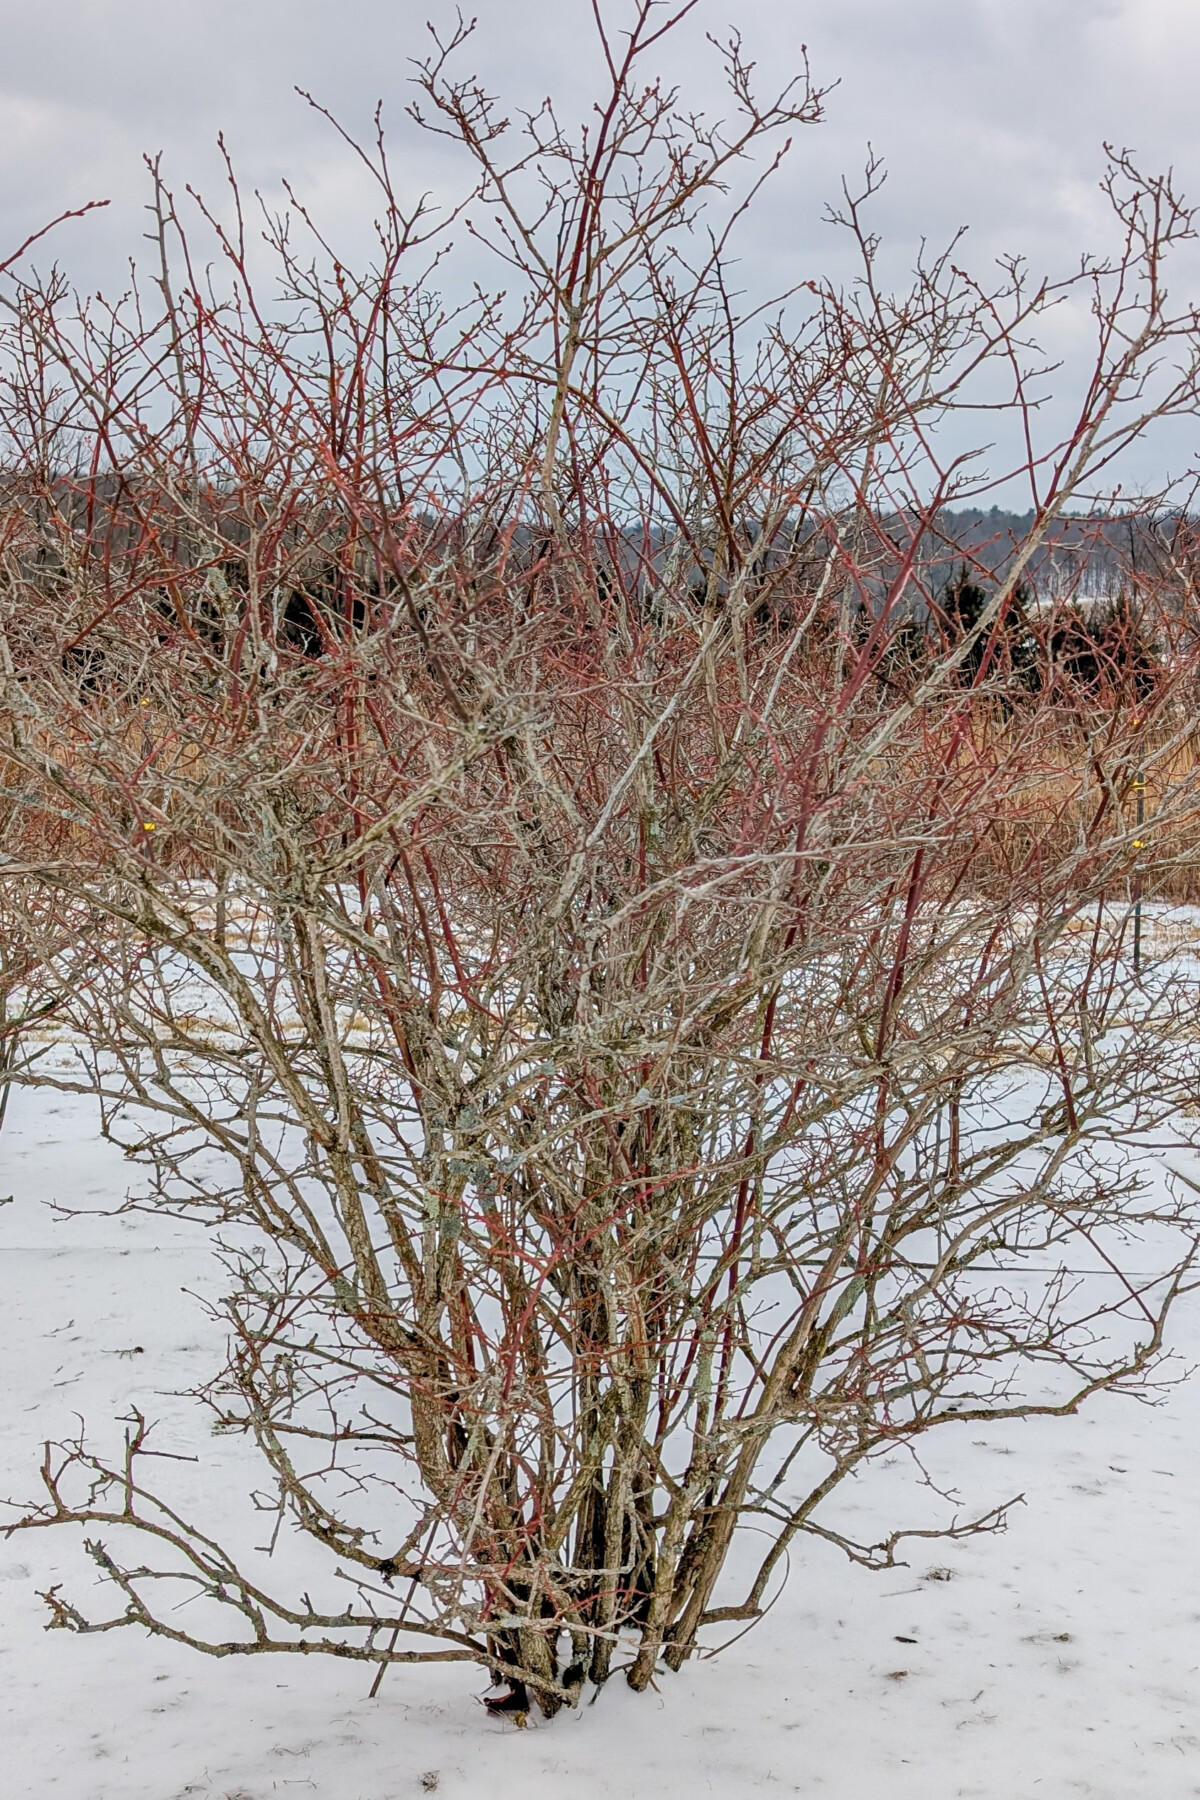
point(1060, 1658)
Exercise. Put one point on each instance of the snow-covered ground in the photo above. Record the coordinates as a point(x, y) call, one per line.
point(1060, 1659)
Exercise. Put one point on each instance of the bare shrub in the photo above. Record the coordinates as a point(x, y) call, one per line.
point(642, 1058)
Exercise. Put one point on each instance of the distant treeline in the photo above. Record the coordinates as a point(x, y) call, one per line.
point(1087, 557)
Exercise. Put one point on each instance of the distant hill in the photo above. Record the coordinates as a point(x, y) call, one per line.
point(1083, 554)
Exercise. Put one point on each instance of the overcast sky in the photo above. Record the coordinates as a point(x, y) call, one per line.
point(989, 113)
